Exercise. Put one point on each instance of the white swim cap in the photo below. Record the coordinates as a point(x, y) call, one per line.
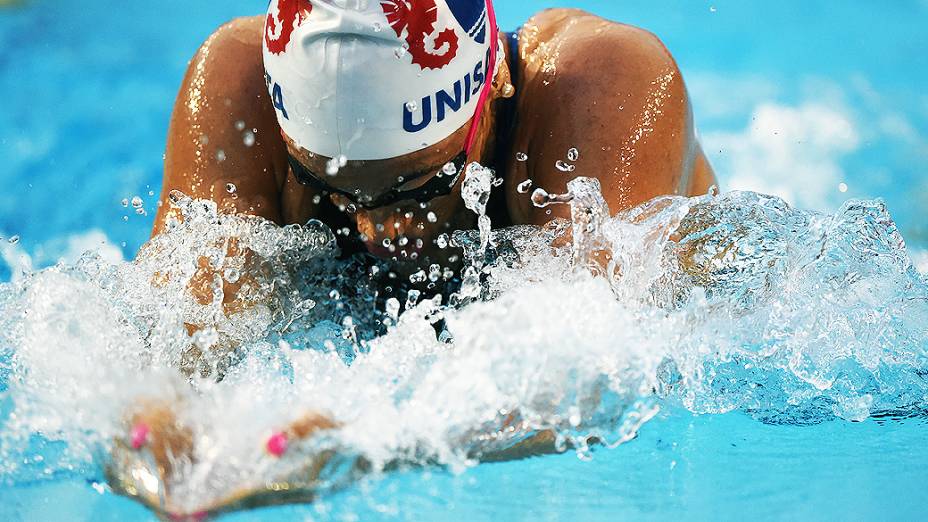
point(377, 79)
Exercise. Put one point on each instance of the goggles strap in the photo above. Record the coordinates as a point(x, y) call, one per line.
point(491, 76)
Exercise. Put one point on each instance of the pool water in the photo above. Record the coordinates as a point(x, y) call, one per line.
point(816, 102)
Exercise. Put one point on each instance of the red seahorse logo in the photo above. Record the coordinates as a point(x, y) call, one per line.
point(418, 18)
point(290, 14)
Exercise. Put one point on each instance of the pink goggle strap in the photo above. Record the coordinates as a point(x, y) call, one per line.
point(491, 75)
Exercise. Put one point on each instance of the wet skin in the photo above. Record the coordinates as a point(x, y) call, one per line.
point(610, 90)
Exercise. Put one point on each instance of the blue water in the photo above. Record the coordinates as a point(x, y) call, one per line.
point(87, 91)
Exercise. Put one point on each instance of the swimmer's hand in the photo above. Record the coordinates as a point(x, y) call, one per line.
point(156, 453)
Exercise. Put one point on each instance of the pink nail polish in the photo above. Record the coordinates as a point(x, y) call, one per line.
point(277, 444)
point(138, 437)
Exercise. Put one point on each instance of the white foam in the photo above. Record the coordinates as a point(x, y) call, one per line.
point(736, 302)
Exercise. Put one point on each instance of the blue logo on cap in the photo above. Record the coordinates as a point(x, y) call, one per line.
point(472, 15)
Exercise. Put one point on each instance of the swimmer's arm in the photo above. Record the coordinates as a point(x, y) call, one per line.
point(155, 441)
point(224, 131)
point(613, 92)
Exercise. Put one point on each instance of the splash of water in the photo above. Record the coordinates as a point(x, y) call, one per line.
point(580, 329)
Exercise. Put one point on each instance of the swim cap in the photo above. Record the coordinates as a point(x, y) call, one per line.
point(377, 79)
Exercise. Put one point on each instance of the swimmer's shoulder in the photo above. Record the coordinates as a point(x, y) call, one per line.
point(235, 46)
point(583, 81)
point(223, 128)
point(565, 36)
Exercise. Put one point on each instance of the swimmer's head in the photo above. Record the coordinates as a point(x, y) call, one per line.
point(379, 102)
point(377, 79)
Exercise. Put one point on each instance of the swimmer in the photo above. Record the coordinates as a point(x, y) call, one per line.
point(366, 118)
point(361, 119)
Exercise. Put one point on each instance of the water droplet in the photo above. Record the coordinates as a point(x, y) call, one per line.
point(574, 417)
point(540, 198)
point(125, 202)
point(403, 241)
point(431, 217)
point(377, 27)
point(249, 139)
point(231, 188)
point(521, 157)
point(342, 160)
point(573, 154)
point(418, 277)
point(13, 240)
point(442, 241)
point(220, 155)
point(392, 307)
point(240, 125)
point(332, 166)
point(316, 199)
point(176, 196)
point(523, 187)
point(842, 187)
point(450, 169)
point(334, 295)
point(387, 243)
point(232, 275)
point(412, 106)
point(137, 202)
point(563, 166)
